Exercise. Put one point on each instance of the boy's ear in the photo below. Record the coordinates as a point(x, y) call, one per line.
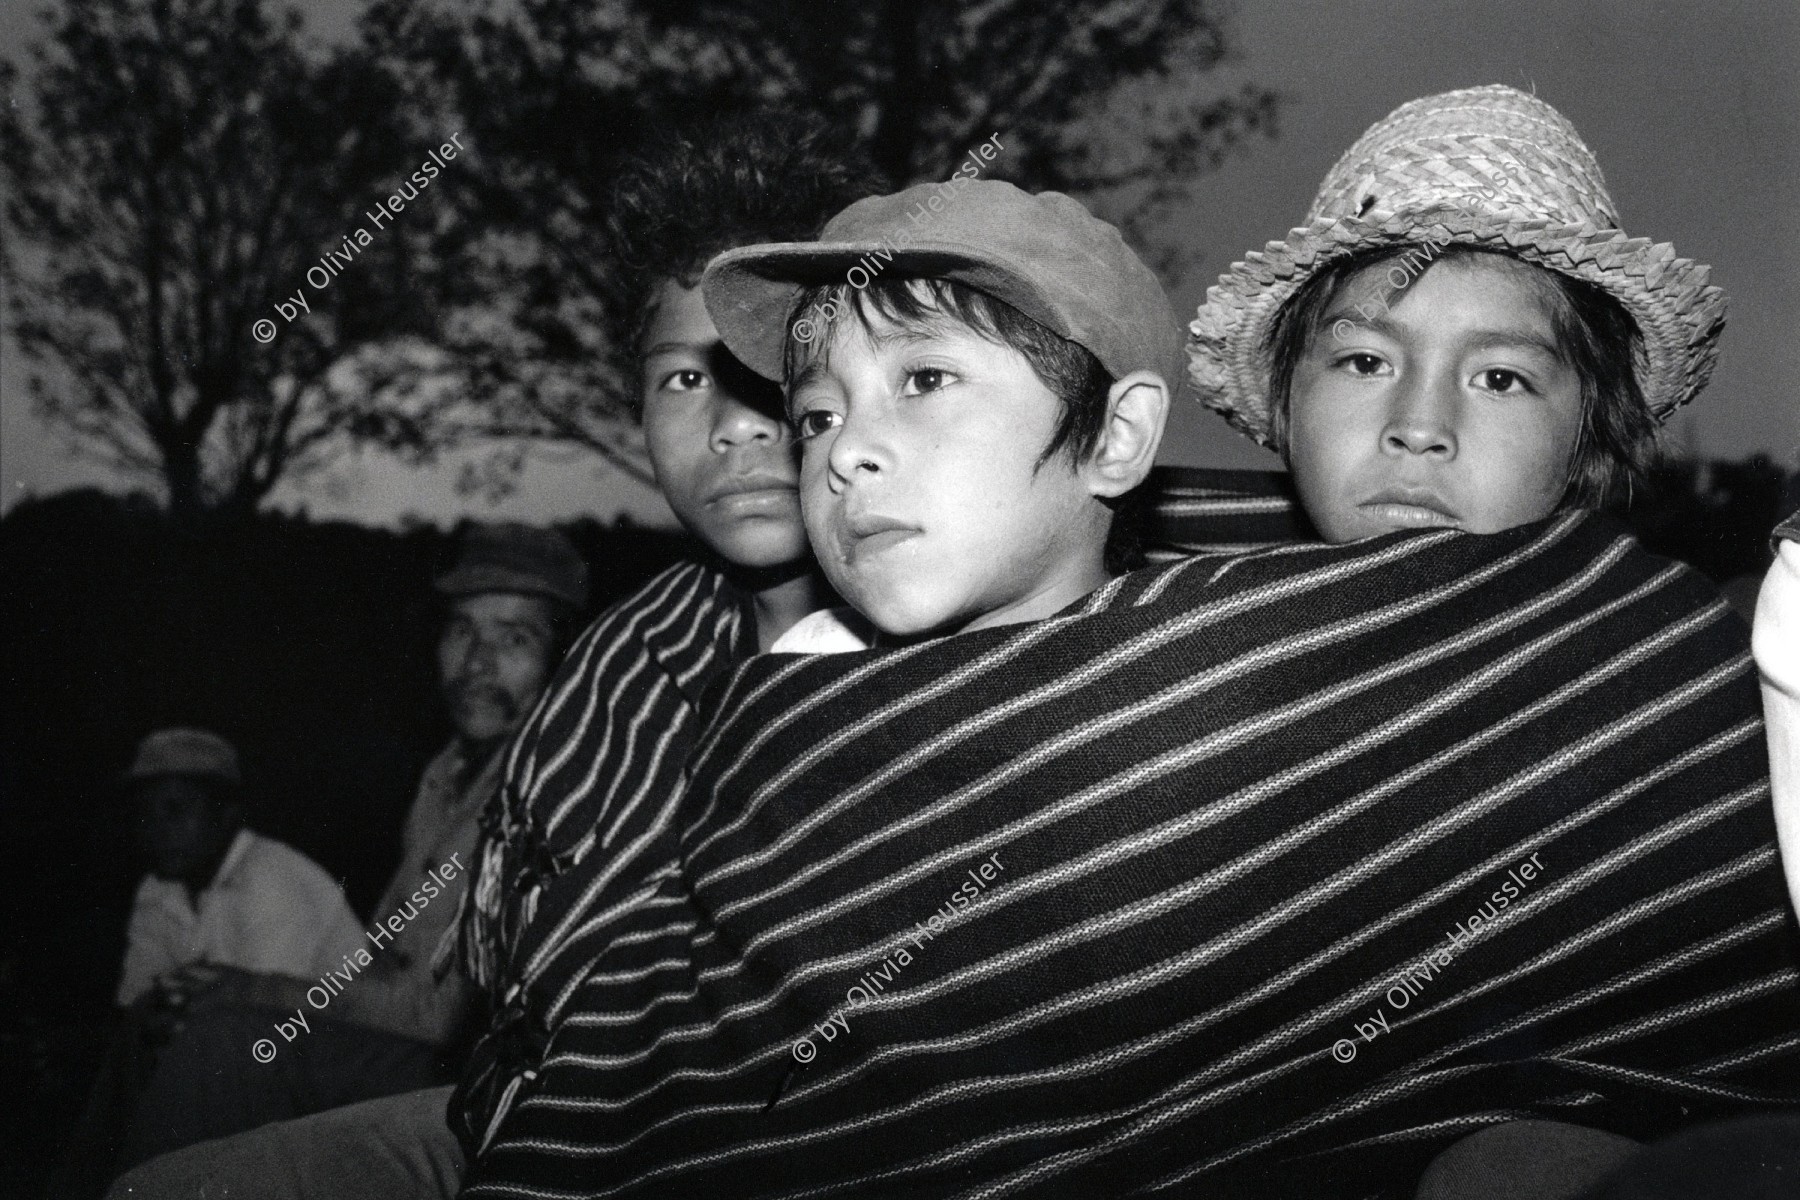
point(1137, 406)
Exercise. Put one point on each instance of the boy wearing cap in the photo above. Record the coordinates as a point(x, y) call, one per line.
point(590, 783)
point(965, 436)
point(1255, 874)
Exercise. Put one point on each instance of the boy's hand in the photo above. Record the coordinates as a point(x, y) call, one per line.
point(194, 977)
point(158, 1018)
point(203, 985)
point(163, 1010)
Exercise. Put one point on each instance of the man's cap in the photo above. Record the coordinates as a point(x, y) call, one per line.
point(506, 556)
point(1044, 254)
point(193, 753)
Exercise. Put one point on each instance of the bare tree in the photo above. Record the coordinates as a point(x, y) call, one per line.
point(1110, 101)
point(182, 166)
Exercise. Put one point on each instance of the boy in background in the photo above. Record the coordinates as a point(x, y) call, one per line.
point(589, 784)
point(218, 894)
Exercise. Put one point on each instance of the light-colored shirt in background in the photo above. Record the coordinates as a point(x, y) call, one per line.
point(1776, 642)
point(399, 992)
point(269, 908)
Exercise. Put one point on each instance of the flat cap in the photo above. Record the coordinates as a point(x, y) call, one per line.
point(506, 556)
point(197, 753)
point(1044, 254)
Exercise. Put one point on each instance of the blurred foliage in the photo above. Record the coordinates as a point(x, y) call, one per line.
point(1110, 101)
point(182, 163)
point(174, 168)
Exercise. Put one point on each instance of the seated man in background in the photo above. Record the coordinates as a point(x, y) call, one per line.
point(373, 1017)
point(216, 892)
point(218, 897)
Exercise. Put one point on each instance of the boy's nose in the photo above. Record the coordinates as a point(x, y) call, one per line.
point(857, 454)
point(736, 423)
point(1421, 420)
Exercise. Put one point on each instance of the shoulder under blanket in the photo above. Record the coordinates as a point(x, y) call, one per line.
point(1254, 874)
point(577, 833)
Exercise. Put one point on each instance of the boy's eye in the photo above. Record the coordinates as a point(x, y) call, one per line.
point(1362, 364)
point(1499, 379)
point(685, 380)
point(815, 421)
point(926, 379)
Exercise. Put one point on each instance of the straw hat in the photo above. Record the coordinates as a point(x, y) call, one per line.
point(1487, 166)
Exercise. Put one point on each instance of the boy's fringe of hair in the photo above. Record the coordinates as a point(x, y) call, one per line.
point(1071, 372)
point(706, 186)
point(1616, 443)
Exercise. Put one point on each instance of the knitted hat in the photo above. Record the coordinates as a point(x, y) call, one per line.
point(1487, 166)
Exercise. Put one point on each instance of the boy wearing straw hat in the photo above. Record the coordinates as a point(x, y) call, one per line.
point(1460, 336)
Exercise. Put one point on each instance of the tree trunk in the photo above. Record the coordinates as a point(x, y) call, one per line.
point(181, 476)
point(896, 137)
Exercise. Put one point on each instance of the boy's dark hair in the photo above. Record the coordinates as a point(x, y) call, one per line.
point(766, 175)
point(1600, 341)
point(1069, 370)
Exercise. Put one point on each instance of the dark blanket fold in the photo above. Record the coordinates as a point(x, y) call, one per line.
point(1257, 873)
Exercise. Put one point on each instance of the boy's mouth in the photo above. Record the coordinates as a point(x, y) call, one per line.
point(1411, 508)
point(869, 533)
point(754, 491)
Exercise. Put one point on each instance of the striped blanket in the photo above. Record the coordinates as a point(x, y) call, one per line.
point(588, 793)
point(591, 781)
point(1203, 510)
point(1248, 875)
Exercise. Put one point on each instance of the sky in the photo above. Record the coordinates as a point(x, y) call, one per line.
point(1692, 109)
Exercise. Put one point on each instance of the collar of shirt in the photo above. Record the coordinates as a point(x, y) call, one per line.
point(174, 894)
point(234, 854)
point(827, 631)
